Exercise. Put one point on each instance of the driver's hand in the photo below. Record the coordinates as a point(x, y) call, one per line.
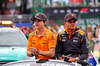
point(34, 50)
point(71, 59)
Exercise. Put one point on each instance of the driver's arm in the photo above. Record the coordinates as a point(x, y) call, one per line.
point(28, 47)
point(49, 53)
point(84, 48)
point(59, 48)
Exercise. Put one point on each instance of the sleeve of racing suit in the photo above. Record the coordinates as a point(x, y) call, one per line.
point(84, 48)
point(59, 47)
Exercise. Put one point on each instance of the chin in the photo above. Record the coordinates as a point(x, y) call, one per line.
point(36, 28)
point(72, 28)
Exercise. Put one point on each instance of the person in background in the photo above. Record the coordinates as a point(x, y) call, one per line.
point(41, 42)
point(98, 38)
point(33, 27)
point(98, 33)
point(51, 28)
point(57, 27)
point(94, 32)
point(62, 27)
point(28, 31)
point(90, 38)
point(11, 6)
point(3, 6)
point(72, 41)
point(22, 29)
point(14, 25)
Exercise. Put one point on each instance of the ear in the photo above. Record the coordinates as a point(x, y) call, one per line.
point(45, 23)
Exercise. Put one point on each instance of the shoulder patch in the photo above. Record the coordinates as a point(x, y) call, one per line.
point(47, 35)
point(81, 32)
point(62, 32)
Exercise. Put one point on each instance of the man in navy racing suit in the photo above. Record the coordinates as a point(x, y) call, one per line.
point(72, 41)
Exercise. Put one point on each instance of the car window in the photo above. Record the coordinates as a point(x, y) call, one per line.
point(11, 37)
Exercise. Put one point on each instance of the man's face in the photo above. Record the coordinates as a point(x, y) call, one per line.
point(39, 24)
point(71, 24)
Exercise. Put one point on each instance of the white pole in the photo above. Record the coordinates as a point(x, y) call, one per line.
point(92, 2)
point(96, 2)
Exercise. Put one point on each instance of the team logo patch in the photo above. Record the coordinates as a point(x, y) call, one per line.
point(44, 43)
point(33, 42)
point(52, 38)
point(63, 40)
point(75, 40)
point(64, 37)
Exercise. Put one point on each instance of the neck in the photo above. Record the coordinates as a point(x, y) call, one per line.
point(40, 31)
point(70, 31)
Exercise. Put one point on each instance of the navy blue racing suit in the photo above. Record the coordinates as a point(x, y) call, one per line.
point(77, 45)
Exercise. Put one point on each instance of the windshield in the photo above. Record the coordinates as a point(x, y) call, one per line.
point(11, 37)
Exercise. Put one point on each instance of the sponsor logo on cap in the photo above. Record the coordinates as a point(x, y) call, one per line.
point(72, 15)
point(37, 14)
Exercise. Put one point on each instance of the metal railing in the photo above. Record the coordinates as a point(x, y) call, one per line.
point(17, 18)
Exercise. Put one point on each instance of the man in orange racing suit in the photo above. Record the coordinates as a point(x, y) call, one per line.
point(72, 41)
point(41, 42)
